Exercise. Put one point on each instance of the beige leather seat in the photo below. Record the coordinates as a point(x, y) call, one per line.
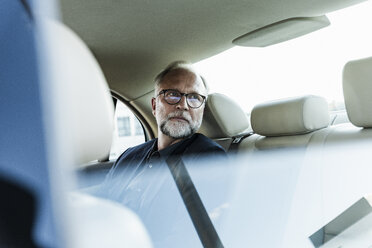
point(80, 123)
point(224, 120)
point(357, 87)
point(304, 121)
point(337, 159)
point(286, 123)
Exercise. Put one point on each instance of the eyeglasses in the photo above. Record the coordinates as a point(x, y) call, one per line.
point(172, 97)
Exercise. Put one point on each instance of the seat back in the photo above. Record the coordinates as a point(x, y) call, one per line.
point(224, 120)
point(357, 86)
point(337, 160)
point(79, 121)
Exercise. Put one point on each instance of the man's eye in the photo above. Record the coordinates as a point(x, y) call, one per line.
point(174, 94)
point(194, 97)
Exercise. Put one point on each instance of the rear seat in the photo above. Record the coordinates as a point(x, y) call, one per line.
point(334, 170)
point(295, 122)
point(301, 121)
point(286, 123)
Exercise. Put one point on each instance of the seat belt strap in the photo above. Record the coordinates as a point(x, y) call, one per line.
point(236, 141)
point(198, 214)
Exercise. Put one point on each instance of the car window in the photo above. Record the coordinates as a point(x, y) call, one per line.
point(128, 130)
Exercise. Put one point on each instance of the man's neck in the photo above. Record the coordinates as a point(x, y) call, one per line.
point(165, 141)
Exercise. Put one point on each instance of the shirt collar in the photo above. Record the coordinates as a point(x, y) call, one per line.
point(164, 153)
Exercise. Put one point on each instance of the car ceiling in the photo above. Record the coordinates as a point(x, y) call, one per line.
point(134, 39)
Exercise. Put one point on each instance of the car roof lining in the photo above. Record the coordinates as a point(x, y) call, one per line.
point(134, 40)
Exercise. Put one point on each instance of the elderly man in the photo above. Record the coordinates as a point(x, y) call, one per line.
point(140, 178)
point(178, 106)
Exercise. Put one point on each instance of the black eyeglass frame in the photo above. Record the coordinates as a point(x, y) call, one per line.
point(182, 94)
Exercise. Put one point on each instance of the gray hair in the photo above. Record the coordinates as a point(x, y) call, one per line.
point(175, 66)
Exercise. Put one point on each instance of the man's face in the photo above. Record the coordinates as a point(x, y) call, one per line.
point(179, 120)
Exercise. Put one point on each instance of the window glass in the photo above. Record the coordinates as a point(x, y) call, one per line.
point(128, 131)
point(123, 124)
point(311, 64)
point(138, 130)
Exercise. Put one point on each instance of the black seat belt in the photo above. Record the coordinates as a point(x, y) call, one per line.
point(236, 141)
point(198, 214)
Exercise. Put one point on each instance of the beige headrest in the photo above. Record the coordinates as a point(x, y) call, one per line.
point(290, 116)
point(99, 222)
point(357, 84)
point(223, 118)
point(79, 100)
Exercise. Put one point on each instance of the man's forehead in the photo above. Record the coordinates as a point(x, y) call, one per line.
point(183, 78)
point(180, 72)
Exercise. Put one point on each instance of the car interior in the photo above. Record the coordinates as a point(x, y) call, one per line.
point(83, 57)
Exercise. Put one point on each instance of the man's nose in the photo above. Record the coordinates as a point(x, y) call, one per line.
point(183, 104)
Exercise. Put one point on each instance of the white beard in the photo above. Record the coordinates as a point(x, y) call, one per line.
point(179, 129)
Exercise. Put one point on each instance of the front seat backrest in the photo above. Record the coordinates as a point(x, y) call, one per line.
point(224, 120)
point(357, 86)
point(79, 118)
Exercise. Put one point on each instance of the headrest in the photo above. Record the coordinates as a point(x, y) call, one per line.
point(298, 115)
point(357, 84)
point(80, 104)
point(100, 223)
point(223, 118)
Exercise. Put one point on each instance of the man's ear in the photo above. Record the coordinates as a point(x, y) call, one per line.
point(153, 105)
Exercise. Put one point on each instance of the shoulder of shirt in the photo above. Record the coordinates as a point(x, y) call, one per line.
point(137, 149)
point(208, 144)
point(144, 145)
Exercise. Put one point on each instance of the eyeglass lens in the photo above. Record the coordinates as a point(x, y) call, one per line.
point(194, 100)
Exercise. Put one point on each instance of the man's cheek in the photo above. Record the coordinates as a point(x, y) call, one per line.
point(199, 115)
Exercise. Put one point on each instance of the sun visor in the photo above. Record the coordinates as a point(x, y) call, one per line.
point(282, 31)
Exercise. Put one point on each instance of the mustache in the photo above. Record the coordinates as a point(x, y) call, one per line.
point(180, 114)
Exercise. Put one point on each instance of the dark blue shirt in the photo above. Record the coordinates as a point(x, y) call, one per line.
point(141, 181)
point(126, 175)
